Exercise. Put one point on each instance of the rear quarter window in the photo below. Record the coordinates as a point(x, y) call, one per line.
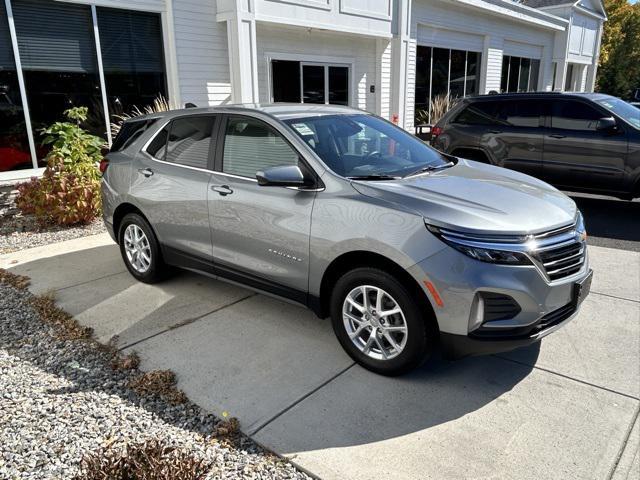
point(479, 113)
point(129, 132)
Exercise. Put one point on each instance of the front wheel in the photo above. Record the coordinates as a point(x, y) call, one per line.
point(379, 323)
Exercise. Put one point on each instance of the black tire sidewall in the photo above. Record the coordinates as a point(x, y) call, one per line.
point(156, 271)
point(419, 343)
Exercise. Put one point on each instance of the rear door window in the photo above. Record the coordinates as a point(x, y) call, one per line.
point(189, 143)
point(574, 115)
point(521, 113)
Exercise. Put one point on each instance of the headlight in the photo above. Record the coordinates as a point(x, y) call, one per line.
point(581, 230)
point(472, 246)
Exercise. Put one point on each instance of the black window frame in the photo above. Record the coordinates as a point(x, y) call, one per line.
point(308, 171)
point(213, 147)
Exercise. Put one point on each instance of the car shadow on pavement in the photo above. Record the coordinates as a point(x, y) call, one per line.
point(609, 218)
point(258, 357)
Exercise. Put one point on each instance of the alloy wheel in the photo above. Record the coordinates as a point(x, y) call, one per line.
point(137, 248)
point(374, 322)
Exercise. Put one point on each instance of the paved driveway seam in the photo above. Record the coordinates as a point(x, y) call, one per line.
point(301, 399)
point(186, 322)
point(615, 296)
point(624, 444)
point(86, 282)
point(632, 397)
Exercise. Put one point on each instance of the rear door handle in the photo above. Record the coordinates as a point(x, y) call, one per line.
point(222, 189)
point(555, 135)
point(147, 172)
point(495, 131)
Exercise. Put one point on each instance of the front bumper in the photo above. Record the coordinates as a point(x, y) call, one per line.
point(460, 280)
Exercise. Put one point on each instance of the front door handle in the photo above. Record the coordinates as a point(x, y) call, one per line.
point(222, 189)
point(556, 135)
point(147, 172)
point(495, 131)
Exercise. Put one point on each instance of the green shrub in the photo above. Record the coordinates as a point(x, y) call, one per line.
point(69, 191)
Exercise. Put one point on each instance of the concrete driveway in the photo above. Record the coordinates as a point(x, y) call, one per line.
point(566, 408)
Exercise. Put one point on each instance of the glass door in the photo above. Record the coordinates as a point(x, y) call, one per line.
point(313, 84)
point(324, 83)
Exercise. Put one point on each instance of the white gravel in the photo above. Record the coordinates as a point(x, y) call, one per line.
point(60, 400)
point(18, 231)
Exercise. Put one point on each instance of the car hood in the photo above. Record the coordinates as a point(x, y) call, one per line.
point(478, 198)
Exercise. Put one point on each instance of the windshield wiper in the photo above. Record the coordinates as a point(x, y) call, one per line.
point(429, 168)
point(373, 177)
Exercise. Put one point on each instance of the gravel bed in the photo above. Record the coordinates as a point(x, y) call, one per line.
point(61, 399)
point(18, 231)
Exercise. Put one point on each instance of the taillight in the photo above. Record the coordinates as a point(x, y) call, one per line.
point(435, 131)
point(104, 163)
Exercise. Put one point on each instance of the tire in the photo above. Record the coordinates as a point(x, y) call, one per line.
point(151, 271)
point(407, 353)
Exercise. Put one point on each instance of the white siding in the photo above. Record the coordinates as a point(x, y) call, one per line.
point(360, 52)
point(582, 38)
point(445, 38)
point(457, 27)
point(201, 49)
point(494, 69)
point(384, 79)
point(410, 95)
point(519, 49)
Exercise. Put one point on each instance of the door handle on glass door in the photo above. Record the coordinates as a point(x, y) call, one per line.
point(147, 172)
point(222, 189)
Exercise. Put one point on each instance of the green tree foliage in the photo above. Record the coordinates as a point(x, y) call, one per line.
point(619, 69)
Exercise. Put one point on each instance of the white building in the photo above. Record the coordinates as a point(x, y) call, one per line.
point(385, 56)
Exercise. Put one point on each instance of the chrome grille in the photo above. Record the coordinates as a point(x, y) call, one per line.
point(563, 259)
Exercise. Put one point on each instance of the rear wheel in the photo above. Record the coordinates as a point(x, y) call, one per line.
point(140, 249)
point(379, 323)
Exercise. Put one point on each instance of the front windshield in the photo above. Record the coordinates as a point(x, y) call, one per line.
point(364, 146)
point(621, 108)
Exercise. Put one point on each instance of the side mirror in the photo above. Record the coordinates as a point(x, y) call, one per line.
point(607, 124)
point(281, 176)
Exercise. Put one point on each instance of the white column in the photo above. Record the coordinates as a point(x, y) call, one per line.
point(400, 53)
point(243, 60)
point(103, 86)
point(561, 73)
point(593, 68)
point(23, 90)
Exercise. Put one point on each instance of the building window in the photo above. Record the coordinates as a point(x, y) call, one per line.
point(57, 50)
point(59, 64)
point(305, 82)
point(519, 74)
point(443, 71)
point(14, 143)
point(132, 58)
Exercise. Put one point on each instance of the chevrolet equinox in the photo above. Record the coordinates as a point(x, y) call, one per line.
point(402, 246)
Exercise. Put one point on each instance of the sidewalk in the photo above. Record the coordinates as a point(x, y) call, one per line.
point(565, 408)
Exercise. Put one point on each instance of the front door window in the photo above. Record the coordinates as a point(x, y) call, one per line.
point(307, 82)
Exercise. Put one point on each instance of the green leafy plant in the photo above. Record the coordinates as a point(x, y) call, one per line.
point(69, 191)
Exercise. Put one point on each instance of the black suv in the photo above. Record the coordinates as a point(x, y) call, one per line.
point(578, 141)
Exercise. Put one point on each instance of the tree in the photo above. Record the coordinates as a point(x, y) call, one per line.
point(619, 69)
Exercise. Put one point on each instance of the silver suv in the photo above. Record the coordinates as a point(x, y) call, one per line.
point(402, 246)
